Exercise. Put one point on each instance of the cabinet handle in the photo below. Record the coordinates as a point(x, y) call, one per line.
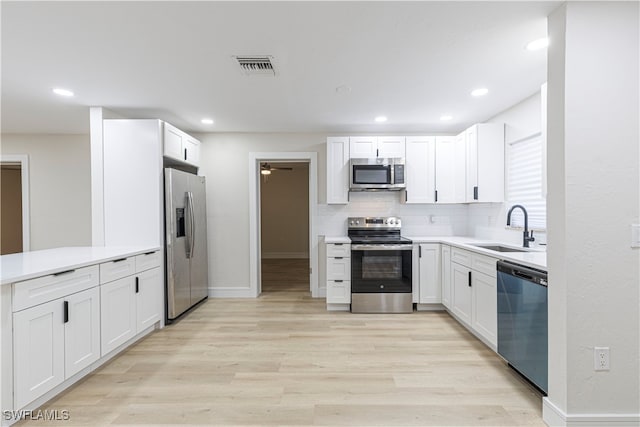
point(406, 195)
point(469, 279)
point(338, 257)
point(63, 272)
point(377, 152)
point(436, 195)
point(419, 251)
point(338, 281)
point(185, 154)
point(137, 285)
point(119, 260)
point(338, 244)
point(475, 193)
point(66, 311)
point(149, 253)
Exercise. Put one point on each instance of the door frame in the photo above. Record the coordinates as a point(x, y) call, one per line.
point(255, 251)
point(23, 160)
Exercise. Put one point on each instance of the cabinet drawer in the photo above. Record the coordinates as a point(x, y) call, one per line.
point(43, 289)
point(461, 256)
point(338, 292)
point(147, 261)
point(484, 264)
point(117, 269)
point(338, 269)
point(339, 250)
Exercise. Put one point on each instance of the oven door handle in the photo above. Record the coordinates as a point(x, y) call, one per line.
point(381, 247)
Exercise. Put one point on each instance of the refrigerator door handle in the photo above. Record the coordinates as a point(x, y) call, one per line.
point(193, 223)
point(189, 228)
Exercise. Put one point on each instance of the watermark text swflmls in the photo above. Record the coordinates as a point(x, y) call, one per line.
point(37, 415)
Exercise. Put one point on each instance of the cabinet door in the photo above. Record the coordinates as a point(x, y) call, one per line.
point(191, 149)
point(38, 351)
point(173, 142)
point(148, 298)
point(472, 164)
point(445, 273)
point(490, 162)
point(430, 289)
point(461, 298)
point(82, 331)
point(450, 169)
point(363, 147)
point(485, 306)
point(117, 313)
point(391, 146)
point(338, 170)
point(420, 167)
point(338, 292)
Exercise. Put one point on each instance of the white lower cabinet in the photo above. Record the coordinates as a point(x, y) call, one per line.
point(485, 306)
point(461, 292)
point(148, 298)
point(338, 273)
point(445, 275)
point(129, 306)
point(118, 313)
point(474, 293)
point(430, 290)
point(54, 341)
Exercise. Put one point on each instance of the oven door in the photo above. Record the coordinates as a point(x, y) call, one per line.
point(379, 268)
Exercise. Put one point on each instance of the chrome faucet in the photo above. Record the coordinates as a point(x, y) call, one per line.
point(525, 235)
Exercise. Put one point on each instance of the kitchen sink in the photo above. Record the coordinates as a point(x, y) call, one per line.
point(500, 248)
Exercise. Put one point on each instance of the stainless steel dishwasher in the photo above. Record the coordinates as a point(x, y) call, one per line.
point(522, 321)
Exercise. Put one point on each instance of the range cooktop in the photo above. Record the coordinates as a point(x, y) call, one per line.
point(385, 240)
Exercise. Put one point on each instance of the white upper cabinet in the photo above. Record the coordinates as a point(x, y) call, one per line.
point(337, 170)
point(391, 146)
point(450, 169)
point(371, 147)
point(420, 169)
point(180, 146)
point(485, 163)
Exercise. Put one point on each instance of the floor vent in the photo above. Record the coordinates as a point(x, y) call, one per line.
point(256, 65)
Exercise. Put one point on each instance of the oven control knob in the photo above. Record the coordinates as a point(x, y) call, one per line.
point(357, 222)
point(381, 286)
point(392, 221)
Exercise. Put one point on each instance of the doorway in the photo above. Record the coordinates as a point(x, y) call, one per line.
point(14, 204)
point(310, 269)
point(284, 226)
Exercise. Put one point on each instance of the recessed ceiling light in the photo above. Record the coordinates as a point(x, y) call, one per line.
point(480, 91)
point(445, 118)
point(538, 44)
point(381, 119)
point(62, 92)
point(207, 121)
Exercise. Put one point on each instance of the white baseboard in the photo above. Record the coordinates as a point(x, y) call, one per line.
point(285, 255)
point(554, 416)
point(338, 307)
point(430, 307)
point(230, 292)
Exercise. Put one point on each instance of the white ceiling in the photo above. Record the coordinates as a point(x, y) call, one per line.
point(410, 61)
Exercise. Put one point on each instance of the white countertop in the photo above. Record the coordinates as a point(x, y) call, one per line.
point(337, 239)
point(536, 258)
point(27, 265)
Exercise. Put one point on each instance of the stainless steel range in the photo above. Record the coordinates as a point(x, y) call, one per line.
point(381, 261)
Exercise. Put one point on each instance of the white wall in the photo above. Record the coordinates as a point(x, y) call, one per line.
point(224, 161)
point(593, 197)
point(489, 220)
point(60, 187)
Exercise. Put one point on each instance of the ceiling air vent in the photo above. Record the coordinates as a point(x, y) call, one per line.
point(256, 65)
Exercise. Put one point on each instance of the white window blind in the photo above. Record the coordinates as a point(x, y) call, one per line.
point(524, 182)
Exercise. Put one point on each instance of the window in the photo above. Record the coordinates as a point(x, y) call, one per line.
point(525, 181)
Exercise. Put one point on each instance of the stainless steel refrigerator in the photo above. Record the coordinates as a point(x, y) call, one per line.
point(185, 240)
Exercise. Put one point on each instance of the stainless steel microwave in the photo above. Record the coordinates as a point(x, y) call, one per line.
point(376, 174)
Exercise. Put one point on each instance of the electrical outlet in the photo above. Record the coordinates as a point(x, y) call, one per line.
point(601, 358)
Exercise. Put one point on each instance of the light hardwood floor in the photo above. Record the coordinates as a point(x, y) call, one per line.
point(282, 359)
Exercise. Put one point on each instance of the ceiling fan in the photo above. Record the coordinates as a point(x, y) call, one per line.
point(265, 169)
